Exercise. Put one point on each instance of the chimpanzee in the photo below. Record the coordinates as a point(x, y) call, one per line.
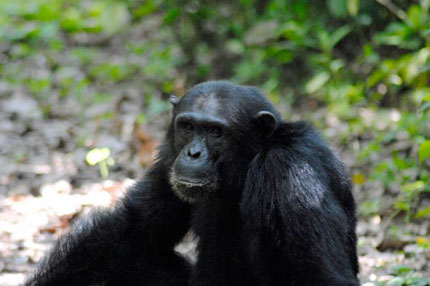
point(268, 201)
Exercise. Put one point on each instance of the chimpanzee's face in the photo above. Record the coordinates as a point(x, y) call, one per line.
point(217, 130)
point(201, 136)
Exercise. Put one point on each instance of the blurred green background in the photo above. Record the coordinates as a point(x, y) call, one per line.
point(358, 69)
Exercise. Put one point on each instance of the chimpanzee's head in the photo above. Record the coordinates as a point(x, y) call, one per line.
point(218, 128)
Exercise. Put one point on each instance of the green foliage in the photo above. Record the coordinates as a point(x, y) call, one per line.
point(369, 207)
point(403, 275)
point(43, 20)
point(424, 150)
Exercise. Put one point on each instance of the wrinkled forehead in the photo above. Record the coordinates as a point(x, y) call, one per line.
point(211, 103)
point(208, 103)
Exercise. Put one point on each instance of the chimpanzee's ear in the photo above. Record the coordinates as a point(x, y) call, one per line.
point(174, 100)
point(266, 122)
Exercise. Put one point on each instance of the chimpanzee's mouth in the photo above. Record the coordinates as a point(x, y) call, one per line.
point(192, 182)
point(192, 189)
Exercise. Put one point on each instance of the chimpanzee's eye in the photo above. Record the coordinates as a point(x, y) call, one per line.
point(215, 131)
point(187, 127)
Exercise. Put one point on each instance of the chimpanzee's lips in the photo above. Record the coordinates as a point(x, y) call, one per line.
point(191, 182)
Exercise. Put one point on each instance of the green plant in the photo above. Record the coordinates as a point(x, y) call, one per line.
point(101, 157)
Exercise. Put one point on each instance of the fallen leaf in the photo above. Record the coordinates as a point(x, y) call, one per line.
point(359, 179)
point(147, 145)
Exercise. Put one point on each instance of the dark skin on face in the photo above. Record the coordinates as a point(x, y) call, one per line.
point(199, 138)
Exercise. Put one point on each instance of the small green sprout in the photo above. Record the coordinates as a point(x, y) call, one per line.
point(100, 156)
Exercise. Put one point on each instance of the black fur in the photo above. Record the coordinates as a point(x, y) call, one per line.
point(282, 212)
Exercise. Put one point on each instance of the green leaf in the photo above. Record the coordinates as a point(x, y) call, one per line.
point(339, 34)
point(401, 268)
point(400, 163)
point(353, 6)
point(369, 207)
point(424, 212)
point(114, 17)
point(412, 187)
point(235, 46)
point(396, 281)
point(424, 151)
point(338, 8)
point(146, 8)
point(71, 19)
point(171, 15)
point(261, 32)
point(97, 155)
point(317, 82)
point(417, 17)
point(396, 34)
point(402, 205)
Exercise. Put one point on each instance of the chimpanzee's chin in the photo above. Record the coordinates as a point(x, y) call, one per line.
point(191, 194)
point(192, 189)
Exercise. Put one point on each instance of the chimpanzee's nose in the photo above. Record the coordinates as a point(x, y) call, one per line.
point(194, 152)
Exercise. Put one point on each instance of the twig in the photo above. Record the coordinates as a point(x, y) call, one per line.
point(393, 9)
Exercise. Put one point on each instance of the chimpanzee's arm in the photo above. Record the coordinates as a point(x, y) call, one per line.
point(296, 215)
point(129, 245)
